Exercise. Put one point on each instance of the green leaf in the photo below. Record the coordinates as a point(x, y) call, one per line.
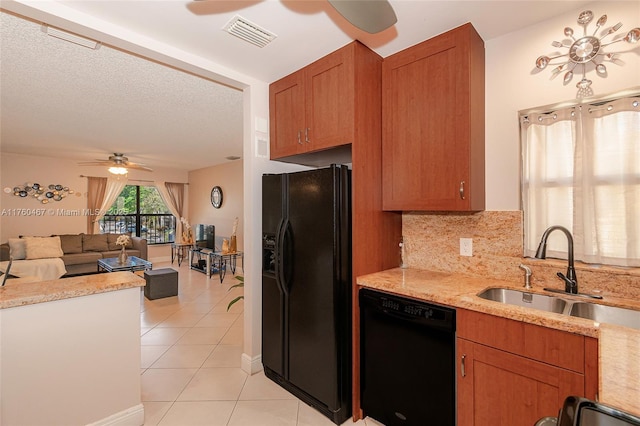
point(241, 284)
point(234, 301)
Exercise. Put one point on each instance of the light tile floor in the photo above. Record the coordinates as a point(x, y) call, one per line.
point(191, 350)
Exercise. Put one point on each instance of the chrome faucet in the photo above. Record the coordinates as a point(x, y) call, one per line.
point(527, 276)
point(570, 279)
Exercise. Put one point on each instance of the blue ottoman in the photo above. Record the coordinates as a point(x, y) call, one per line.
point(161, 283)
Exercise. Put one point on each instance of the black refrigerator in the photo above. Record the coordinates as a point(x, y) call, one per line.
point(306, 286)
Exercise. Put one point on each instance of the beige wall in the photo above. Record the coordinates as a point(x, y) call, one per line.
point(229, 177)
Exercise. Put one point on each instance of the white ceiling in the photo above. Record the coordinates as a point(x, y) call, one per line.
point(60, 99)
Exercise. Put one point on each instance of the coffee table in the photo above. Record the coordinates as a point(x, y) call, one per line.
point(133, 263)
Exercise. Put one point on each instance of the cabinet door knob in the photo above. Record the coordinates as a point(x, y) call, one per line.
point(306, 135)
point(462, 366)
point(462, 190)
point(299, 137)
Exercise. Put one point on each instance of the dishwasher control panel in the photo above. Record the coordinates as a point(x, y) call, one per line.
point(406, 307)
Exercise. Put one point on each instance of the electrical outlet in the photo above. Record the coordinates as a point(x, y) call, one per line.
point(466, 247)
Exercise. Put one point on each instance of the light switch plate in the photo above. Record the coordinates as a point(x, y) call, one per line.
point(466, 247)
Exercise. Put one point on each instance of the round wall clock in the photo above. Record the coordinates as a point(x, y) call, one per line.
point(216, 197)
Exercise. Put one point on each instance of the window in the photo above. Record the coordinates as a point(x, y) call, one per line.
point(140, 210)
point(581, 170)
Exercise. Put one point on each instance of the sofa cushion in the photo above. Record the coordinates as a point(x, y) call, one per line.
point(17, 248)
point(111, 241)
point(71, 243)
point(95, 242)
point(81, 258)
point(42, 247)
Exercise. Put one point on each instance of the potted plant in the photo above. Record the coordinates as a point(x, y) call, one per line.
point(239, 285)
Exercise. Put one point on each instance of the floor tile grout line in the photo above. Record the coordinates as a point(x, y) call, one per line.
point(183, 308)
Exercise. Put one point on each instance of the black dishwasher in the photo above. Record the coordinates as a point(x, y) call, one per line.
point(407, 356)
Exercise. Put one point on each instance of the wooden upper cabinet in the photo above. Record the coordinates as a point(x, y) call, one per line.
point(313, 108)
point(329, 90)
point(286, 110)
point(433, 124)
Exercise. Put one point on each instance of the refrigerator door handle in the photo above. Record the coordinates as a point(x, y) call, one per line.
point(281, 278)
point(278, 254)
point(287, 256)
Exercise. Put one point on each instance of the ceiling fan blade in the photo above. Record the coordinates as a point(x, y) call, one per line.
point(95, 163)
point(372, 16)
point(138, 167)
point(117, 160)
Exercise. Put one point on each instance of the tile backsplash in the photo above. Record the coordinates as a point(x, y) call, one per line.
point(432, 242)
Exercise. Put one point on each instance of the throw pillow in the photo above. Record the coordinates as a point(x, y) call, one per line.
point(71, 243)
point(42, 247)
point(95, 242)
point(111, 240)
point(17, 249)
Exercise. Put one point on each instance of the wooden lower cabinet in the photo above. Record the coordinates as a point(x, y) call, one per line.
point(499, 388)
point(512, 373)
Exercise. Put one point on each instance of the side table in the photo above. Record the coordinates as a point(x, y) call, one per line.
point(180, 251)
point(207, 261)
point(219, 261)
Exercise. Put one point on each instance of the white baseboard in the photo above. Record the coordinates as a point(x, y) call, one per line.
point(251, 365)
point(133, 416)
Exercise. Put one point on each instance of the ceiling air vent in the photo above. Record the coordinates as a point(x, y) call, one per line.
point(248, 31)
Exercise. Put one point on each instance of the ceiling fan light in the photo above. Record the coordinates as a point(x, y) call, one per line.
point(118, 170)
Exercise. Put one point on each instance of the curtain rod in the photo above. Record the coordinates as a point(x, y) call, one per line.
point(136, 180)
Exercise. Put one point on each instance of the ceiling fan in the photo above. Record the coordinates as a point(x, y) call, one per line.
point(372, 16)
point(118, 164)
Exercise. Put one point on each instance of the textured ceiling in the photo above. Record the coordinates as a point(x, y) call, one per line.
point(59, 99)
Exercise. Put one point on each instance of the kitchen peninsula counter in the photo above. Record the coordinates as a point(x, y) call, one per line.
point(70, 350)
point(19, 293)
point(619, 347)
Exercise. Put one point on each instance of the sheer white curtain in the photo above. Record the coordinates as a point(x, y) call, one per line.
point(173, 196)
point(581, 170)
point(113, 189)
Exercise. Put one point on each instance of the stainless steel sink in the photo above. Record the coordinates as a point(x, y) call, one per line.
point(606, 314)
point(521, 298)
point(592, 311)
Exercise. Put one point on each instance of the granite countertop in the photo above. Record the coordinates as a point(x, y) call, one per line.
point(19, 293)
point(619, 347)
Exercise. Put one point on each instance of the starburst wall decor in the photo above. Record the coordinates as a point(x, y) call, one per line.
point(585, 53)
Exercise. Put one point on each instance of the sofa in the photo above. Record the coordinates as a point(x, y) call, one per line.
point(79, 252)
